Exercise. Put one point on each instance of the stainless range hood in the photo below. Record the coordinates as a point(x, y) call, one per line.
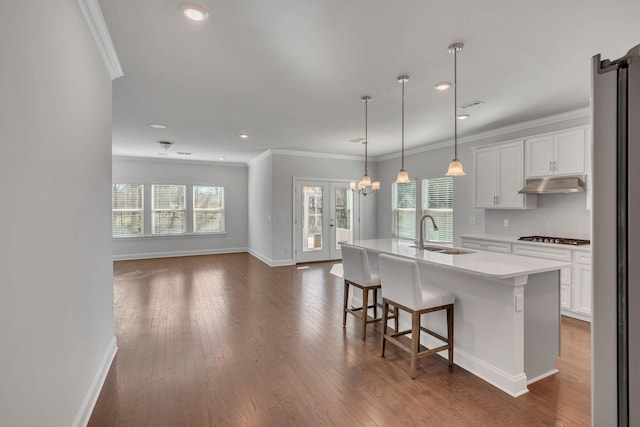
point(553, 185)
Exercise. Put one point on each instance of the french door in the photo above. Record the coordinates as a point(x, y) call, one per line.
point(324, 216)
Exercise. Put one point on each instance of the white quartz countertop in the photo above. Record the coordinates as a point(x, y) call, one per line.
point(514, 239)
point(483, 263)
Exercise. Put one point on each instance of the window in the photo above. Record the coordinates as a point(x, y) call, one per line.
point(127, 218)
point(168, 205)
point(437, 201)
point(208, 209)
point(404, 210)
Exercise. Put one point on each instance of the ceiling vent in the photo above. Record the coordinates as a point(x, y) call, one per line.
point(165, 144)
point(471, 104)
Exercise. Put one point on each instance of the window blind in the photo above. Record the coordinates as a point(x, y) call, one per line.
point(404, 210)
point(208, 209)
point(437, 201)
point(127, 218)
point(168, 205)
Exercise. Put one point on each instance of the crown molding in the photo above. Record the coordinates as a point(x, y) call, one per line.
point(299, 153)
point(95, 21)
point(558, 118)
point(259, 157)
point(179, 161)
point(317, 155)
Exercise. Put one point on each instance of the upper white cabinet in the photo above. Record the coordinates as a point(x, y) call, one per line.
point(558, 154)
point(499, 174)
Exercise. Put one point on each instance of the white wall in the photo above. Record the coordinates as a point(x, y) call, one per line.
point(234, 180)
point(271, 178)
point(56, 284)
point(260, 194)
point(431, 164)
point(563, 214)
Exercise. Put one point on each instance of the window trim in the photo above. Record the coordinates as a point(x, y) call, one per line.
point(194, 210)
point(142, 231)
point(394, 210)
point(154, 210)
point(424, 209)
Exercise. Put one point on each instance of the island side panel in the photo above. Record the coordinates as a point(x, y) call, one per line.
point(488, 331)
point(541, 325)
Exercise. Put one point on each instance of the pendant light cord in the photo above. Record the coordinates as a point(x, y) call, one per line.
point(455, 103)
point(403, 81)
point(366, 138)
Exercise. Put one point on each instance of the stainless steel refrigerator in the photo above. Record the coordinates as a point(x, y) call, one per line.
point(616, 241)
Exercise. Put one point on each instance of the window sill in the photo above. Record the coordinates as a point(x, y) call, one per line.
point(156, 236)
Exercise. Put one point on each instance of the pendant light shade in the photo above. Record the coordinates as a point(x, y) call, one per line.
point(365, 186)
point(403, 175)
point(455, 167)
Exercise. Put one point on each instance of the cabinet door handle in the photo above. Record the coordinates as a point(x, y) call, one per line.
point(550, 166)
point(497, 200)
point(555, 166)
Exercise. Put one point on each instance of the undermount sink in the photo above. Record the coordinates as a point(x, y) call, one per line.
point(441, 250)
point(454, 252)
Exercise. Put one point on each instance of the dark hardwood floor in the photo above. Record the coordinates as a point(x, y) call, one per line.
point(225, 340)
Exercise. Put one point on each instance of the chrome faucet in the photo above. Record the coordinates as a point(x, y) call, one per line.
point(435, 228)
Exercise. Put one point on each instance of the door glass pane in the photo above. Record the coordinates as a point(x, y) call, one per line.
point(311, 218)
point(344, 215)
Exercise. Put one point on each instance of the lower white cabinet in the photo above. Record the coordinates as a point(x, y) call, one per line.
point(582, 287)
point(487, 245)
point(575, 279)
point(565, 297)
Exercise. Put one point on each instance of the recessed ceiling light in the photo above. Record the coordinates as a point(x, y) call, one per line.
point(194, 13)
point(157, 126)
point(222, 158)
point(442, 85)
point(243, 135)
point(463, 116)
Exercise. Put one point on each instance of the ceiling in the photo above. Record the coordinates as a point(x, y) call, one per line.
point(290, 73)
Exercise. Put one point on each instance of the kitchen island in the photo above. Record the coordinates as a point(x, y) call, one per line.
point(507, 309)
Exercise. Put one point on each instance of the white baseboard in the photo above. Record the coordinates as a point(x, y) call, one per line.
point(89, 402)
point(269, 261)
point(512, 385)
point(543, 376)
point(149, 255)
point(579, 316)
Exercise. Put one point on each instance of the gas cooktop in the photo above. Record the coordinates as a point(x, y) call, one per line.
point(558, 240)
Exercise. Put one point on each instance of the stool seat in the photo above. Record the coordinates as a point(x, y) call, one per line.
point(433, 297)
point(402, 287)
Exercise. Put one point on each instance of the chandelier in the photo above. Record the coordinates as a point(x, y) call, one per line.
point(365, 186)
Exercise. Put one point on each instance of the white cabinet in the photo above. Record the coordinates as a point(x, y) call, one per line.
point(575, 279)
point(486, 245)
point(558, 254)
point(557, 154)
point(498, 175)
point(582, 282)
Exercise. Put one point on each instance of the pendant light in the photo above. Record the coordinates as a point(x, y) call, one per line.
point(365, 186)
point(403, 176)
point(455, 167)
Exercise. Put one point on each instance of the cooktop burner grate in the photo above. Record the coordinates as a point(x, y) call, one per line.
point(558, 240)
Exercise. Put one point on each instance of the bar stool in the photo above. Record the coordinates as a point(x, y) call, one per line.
point(357, 272)
point(401, 287)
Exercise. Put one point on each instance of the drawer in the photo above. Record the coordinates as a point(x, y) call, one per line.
point(487, 245)
point(546, 253)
